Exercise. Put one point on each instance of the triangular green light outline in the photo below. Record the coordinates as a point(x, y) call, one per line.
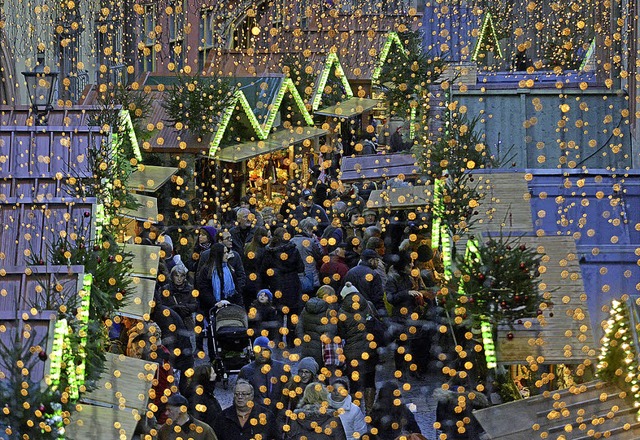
point(488, 21)
point(261, 130)
point(392, 37)
point(332, 59)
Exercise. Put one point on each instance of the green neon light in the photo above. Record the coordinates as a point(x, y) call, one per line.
point(588, 55)
point(392, 38)
point(488, 21)
point(447, 257)
point(437, 209)
point(83, 317)
point(487, 342)
point(471, 255)
point(331, 60)
point(126, 125)
point(60, 332)
point(262, 131)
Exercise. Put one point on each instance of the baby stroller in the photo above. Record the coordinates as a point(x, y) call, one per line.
point(230, 347)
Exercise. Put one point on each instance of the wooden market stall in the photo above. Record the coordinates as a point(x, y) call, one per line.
point(265, 136)
point(379, 167)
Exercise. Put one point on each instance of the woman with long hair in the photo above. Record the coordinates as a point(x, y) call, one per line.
point(390, 416)
point(217, 280)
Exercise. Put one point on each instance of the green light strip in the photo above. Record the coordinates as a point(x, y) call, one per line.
point(471, 254)
point(262, 131)
point(101, 220)
point(127, 127)
point(489, 345)
point(488, 21)
point(83, 317)
point(437, 221)
point(60, 332)
point(392, 38)
point(447, 260)
point(332, 59)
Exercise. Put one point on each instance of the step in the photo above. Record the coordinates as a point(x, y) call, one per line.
point(629, 411)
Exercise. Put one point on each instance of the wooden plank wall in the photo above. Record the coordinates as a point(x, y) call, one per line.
point(564, 333)
point(379, 166)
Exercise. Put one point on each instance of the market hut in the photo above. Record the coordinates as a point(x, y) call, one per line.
point(265, 135)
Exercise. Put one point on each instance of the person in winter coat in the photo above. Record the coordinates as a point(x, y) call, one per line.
point(311, 252)
point(281, 269)
point(334, 271)
point(361, 359)
point(307, 372)
point(205, 240)
point(317, 321)
point(313, 419)
point(200, 392)
point(242, 233)
point(267, 375)
point(454, 406)
point(368, 282)
point(222, 278)
point(182, 425)
point(245, 419)
point(352, 252)
point(307, 209)
point(252, 260)
point(390, 418)
point(350, 414)
point(178, 295)
point(263, 315)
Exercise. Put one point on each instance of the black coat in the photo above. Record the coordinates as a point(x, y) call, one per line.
point(352, 329)
point(181, 300)
point(449, 417)
point(227, 426)
point(204, 407)
point(393, 422)
point(372, 290)
point(240, 237)
point(252, 268)
point(280, 268)
point(206, 298)
point(317, 318)
point(397, 290)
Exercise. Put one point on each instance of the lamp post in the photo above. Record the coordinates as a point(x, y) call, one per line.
point(41, 83)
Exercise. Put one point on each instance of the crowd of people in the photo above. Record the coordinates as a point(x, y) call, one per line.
point(323, 278)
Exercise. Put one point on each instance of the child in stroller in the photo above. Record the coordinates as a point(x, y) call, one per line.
point(263, 315)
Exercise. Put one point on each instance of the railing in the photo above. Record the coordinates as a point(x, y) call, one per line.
point(116, 74)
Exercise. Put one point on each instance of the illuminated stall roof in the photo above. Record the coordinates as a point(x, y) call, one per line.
point(277, 141)
point(349, 108)
point(260, 101)
point(146, 211)
point(331, 63)
point(392, 39)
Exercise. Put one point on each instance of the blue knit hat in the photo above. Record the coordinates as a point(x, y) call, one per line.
point(262, 342)
point(267, 292)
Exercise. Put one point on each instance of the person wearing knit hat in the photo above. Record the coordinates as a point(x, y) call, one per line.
point(309, 364)
point(325, 291)
point(267, 381)
point(348, 289)
point(266, 292)
point(307, 372)
point(189, 427)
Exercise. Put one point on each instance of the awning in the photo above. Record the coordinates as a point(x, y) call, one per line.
point(145, 259)
point(405, 197)
point(379, 166)
point(277, 141)
point(139, 304)
point(149, 178)
point(147, 211)
point(349, 108)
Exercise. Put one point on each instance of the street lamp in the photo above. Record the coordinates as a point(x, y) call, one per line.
point(41, 83)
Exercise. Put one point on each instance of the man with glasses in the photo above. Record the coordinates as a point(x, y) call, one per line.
point(242, 233)
point(245, 419)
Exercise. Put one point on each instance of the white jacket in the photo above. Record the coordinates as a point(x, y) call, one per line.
point(351, 417)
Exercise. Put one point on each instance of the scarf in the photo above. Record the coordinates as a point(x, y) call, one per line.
point(229, 285)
